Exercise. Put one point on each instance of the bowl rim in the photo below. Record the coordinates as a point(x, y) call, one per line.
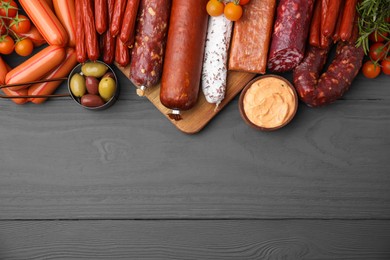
point(248, 86)
point(109, 102)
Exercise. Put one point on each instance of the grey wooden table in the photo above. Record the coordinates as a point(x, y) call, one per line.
point(125, 183)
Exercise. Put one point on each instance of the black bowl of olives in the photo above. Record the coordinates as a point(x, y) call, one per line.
point(93, 85)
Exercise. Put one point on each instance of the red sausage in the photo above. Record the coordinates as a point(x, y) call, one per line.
point(81, 49)
point(184, 54)
point(65, 11)
point(336, 33)
point(147, 56)
point(127, 31)
point(316, 90)
point(315, 26)
point(331, 17)
point(48, 88)
point(348, 18)
point(116, 21)
point(291, 29)
point(122, 53)
point(109, 41)
point(101, 16)
point(91, 39)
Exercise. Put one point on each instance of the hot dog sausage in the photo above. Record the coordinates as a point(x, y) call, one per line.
point(4, 68)
point(316, 90)
point(252, 36)
point(184, 54)
point(36, 66)
point(48, 88)
point(290, 33)
point(65, 11)
point(150, 40)
point(46, 21)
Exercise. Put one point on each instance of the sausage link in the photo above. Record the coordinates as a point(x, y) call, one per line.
point(116, 21)
point(81, 49)
point(184, 54)
point(130, 16)
point(315, 25)
point(65, 11)
point(122, 53)
point(317, 90)
point(331, 17)
point(336, 33)
point(348, 19)
point(101, 16)
point(151, 34)
point(109, 41)
point(4, 68)
point(91, 39)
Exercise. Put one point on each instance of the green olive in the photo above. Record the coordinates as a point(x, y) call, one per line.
point(94, 69)
point(107, 88)
point(77, 85)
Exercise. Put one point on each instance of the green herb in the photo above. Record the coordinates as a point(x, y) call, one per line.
point(373, 16)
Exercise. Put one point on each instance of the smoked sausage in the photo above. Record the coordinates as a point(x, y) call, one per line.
point(318, 90)
point(4, 68)
point(130, 16)
point(101, 16)
point(148, 52)
point(91, 39)
point(81, 49)
point(109, 41)
point(182, 68)
point(290, 33)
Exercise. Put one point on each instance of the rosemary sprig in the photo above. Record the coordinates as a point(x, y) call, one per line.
point(373, 16)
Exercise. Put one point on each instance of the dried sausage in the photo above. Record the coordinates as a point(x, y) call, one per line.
point(290, 33)
point(148, 52)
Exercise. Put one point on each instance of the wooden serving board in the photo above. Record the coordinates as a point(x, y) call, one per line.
point(197, 117)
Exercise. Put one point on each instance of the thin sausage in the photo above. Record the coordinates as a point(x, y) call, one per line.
point(46, 21)
point(315, 25)
point(91, 39)
point(336, 33)
point(101, 16)
point(331, 17)
point(36, 66)
point(116, 20)
point(184, 54)
point(122, 53)
point(81, 49)
point(109, 41)
point(130, 15)
point(348, 18)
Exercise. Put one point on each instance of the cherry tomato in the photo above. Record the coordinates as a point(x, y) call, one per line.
point(370, 70)
point(20, 24)
point(232, 11)
point(376, 37)
point(8, 8)
point(6, 44)
point(244, 2)
point(215, 8)
point(386, 66)
point(24, 47)
point(377, 51)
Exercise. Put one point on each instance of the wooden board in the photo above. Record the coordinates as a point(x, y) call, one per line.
point(195, 119)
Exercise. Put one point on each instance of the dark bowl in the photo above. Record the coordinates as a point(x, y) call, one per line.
point(294, 105)
point(108, 103)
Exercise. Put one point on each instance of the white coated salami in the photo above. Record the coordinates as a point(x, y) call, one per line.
point(214, 74)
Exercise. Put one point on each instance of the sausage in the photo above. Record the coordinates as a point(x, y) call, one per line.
point(91, 39)
point(252, 36)
point(290, 33)
point(4, 68)
point(325, 41)
point(62, 70)
point(122, 53)
point(348, 19)
point(65, 11)
point(117, 17)
point(214, 73)
point(318, 90)
point(148, 52)
point(331, 17)
point(81, 49)
point(36, 66)
point(101, 16)
point(109, 41)
point(46, 21)
point(315, 25)
point(130, 15)
point(336, 33)
point(184, 55)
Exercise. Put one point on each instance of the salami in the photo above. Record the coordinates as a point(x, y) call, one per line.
point(290, 33)
point(184, 56)
point(214, 74)
point(148, 52)
point(252, 36)
point(316, 90)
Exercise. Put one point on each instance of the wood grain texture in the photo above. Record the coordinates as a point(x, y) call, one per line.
point(244, 240)
point(195, 119)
